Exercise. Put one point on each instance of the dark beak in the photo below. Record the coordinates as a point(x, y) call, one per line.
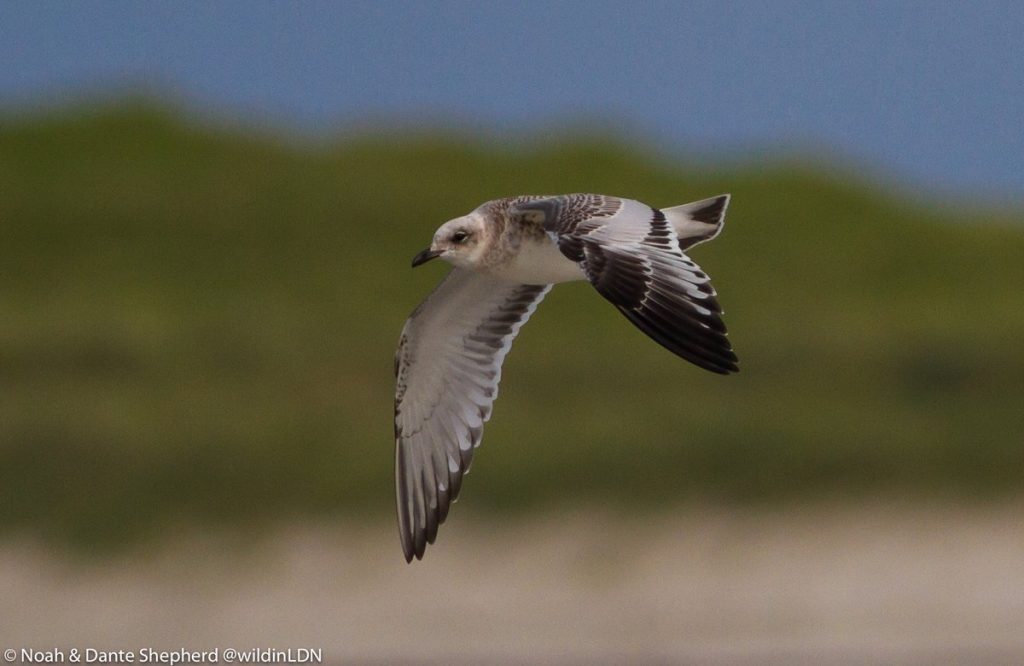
point(425, 256)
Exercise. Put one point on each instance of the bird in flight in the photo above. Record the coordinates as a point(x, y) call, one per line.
point(507, 254)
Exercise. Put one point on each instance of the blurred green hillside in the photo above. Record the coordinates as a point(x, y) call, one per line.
point(197, 326)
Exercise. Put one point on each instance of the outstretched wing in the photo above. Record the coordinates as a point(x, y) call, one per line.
point(632, 255)
point(447, 370)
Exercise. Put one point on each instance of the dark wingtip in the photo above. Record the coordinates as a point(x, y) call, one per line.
point(413, 546)
point(406, 539)
point(730, 369)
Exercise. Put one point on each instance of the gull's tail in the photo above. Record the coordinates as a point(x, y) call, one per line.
point(699, 221)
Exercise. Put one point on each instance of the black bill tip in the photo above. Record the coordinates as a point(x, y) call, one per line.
point(425, 256)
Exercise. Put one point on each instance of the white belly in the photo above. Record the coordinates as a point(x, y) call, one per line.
point(539, 262)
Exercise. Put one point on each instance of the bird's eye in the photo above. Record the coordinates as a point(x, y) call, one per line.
point(460, 237)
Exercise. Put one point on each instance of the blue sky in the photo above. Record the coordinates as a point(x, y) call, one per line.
point(928, 93)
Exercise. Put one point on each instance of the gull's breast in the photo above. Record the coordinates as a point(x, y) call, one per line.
point(538, 260)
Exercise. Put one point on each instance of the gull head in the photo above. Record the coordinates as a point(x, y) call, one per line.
point(460, 242)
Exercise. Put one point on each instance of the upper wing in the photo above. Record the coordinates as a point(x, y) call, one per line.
point(633, 256)
point(447, 370)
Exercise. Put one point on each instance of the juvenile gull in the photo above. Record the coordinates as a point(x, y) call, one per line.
point(506, 255)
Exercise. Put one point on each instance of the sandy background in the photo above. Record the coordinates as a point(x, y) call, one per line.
point(887, 583)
